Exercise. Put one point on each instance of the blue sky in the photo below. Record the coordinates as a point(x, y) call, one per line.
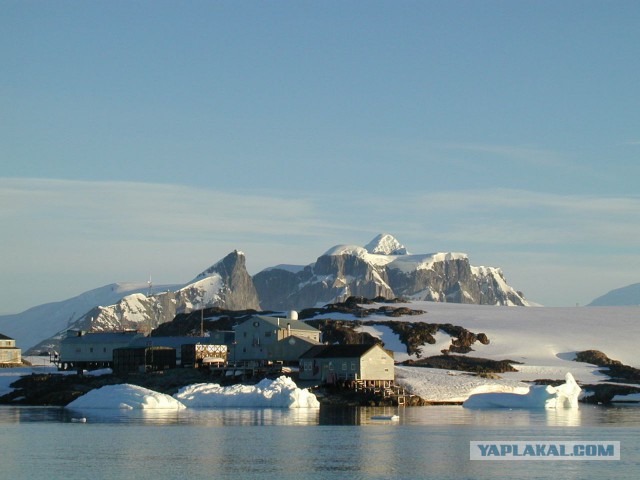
point(142, 138)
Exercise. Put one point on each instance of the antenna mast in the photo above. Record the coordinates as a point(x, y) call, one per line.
point(149, 294)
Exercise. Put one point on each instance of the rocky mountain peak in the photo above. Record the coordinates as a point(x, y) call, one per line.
point(224, 267)
point(226, 284)
point(384, 268)
point(386, 244)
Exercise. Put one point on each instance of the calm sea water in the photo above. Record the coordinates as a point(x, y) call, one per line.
point(427, 442)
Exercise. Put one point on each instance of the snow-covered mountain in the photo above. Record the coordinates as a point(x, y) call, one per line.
point(629, 295)
point(385, 268)
point(226, 284)
point(42, 321)
point(385, 244)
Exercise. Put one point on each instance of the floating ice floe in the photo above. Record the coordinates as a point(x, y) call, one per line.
point(386, 417)
point(279, 393)
point(539, 396)
point(125, 396)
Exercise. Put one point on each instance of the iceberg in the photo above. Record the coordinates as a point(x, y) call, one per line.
point(125, 396)
point(279, 393)
point(539, 396)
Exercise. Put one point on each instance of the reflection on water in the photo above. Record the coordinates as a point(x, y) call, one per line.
point(250, 416)
point(216, 417)
point(586, 415)
point(457, 415)
point(427, 442)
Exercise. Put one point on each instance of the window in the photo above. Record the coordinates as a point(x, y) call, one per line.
point(267, 334)
point(353, 366)
point(344, 366)
point(90, 349)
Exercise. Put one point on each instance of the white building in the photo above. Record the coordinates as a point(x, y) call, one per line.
point(258, 336)
point(9, 353)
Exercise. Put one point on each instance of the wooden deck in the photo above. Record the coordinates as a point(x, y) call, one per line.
point(385, 388)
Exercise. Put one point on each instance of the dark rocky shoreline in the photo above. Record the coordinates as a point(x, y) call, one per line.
point(54, 389)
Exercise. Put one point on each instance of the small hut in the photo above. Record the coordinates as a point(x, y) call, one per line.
point(204, 355)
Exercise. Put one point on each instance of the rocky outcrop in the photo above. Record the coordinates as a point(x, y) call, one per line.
point(595, 357)
point(464, 363)
point(59, 390)
point(451, 278)
point(238, 291)
point(384, 268)
point(330, 279)
point(605, 393)
point(618, 371)
point(412, 334)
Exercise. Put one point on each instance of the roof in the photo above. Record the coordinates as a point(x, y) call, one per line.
point(297, 338)
point(4, 337)
point(146, 347)
point(102, 337)
point(338, 351)
point(173, 342)
point(283, 322)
